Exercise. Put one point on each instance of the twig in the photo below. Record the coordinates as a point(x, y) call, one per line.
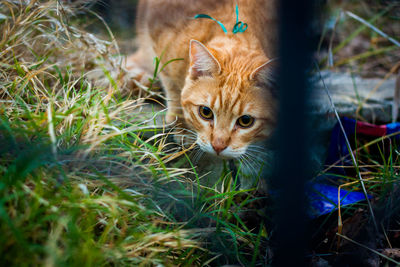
point(375, 29)
point(349, 148)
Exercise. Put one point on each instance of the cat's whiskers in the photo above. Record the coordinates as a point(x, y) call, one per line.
point(187, 144)
point(198, 153)
point(185, 136)
point(256, 157)
point(243, 161)
point(184, 130)
point(247, 167)
point(256, 162)
point(257, 149)
point(198, 157)
point(260, 154)
point(257, 146)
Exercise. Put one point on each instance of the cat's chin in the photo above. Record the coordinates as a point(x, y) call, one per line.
point(221, 156)
point(226, 157)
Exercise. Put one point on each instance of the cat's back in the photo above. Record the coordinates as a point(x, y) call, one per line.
point(171, 22)
point(174, 13)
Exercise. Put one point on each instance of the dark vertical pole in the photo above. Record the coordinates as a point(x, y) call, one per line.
point(291, 170)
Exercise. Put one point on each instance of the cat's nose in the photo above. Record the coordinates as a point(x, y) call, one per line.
point(219, 145)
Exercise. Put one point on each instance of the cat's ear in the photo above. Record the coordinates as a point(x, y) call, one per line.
point(266, 73)
point(202, 62)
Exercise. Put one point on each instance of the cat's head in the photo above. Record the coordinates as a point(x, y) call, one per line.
point(228, 102)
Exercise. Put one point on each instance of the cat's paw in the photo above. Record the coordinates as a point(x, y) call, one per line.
point(139, 77)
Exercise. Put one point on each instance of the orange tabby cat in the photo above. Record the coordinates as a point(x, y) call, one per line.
point(221, 90)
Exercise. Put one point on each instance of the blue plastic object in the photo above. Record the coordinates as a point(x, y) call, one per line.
point(323, 198)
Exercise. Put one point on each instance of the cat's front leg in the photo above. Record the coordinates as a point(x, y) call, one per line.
point(138, 69)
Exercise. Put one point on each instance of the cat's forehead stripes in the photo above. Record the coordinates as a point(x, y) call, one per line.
point(234, 102)
point(223, 102)
point(228, 94)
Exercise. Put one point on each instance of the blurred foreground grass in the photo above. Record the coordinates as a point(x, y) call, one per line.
point(69, 147)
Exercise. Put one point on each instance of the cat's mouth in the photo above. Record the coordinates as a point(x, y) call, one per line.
point(226, 153)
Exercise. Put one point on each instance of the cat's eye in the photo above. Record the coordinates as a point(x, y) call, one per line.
point(245, 121)
point(206, 113)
